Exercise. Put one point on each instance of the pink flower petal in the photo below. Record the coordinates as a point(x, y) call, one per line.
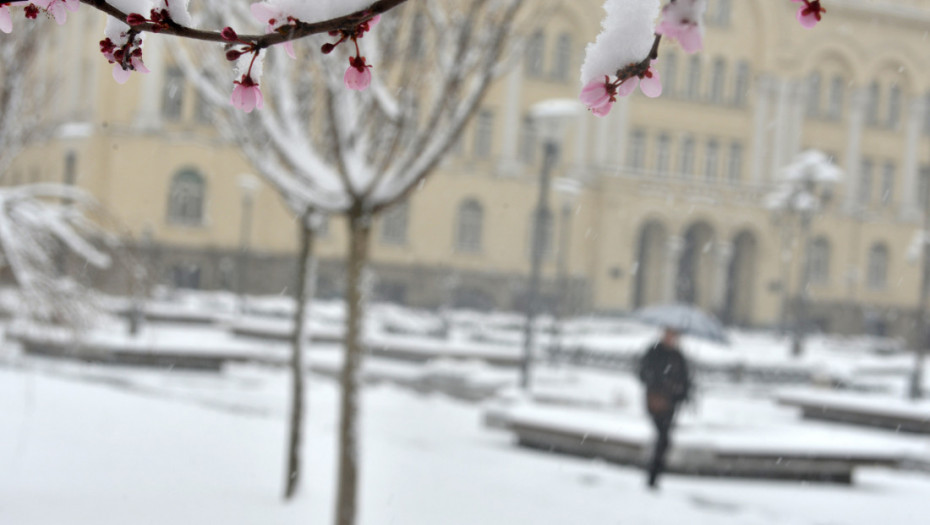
point(373, 21)
point(72, 5)
point(120, 75)
point(289, 48)
point(691, 39)
point(602, 111)
point(259, 98)
point(6, 21)
point(357, 80)
point(263, 12)
point(594, 94)
point(809, 20)
point(628, 86)
point(651, 87)
point(138, 66)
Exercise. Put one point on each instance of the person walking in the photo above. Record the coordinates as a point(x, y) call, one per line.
point(664, 372)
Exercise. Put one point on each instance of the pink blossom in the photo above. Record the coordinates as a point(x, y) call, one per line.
point(651, 84)
point(6, 21)
point(683, 21)
point(358, 75)
point(603, 110)
point(810, 13)
point(58, 8)
point(121, 75)
point(596, 95)
point(247, 95)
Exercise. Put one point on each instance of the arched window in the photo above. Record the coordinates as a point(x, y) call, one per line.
point(670, 75)
point(723, 12)
point(693, 90)
point(535, 49)
point(887, 196)
point(835, 100)
point(528, 141)
point(636, 156)
point(469, 226)
point(818, 265)
point(185, 198)
point(864, 195)
point(172, 95)
point(546, 223)
point(871, 103)
point(712, 161)
point(394, 224)
point(735, 163)
point(562, 63)
point(718, 81)
point(877, 277)
point(686, 160)
point(741, 85)
point(894, 107)
point(663, 153)
point(813, 95)
point(484, 131)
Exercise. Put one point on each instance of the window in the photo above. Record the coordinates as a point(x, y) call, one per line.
point(663, 153)
point(723, 12)
point(818, 262)
point(185, 198)
point(528, 141)
point(686, 161)
point(877, 277)
point(923, 187)
point(535, 48)
point(469, 226)
point(865, 183)
point(670, 75)
point(888, 184)
point(871, 104)
point(835, 101)
point(172, 96)
point(562, 64)
point(741, 86)
point(813, 95)
point(637, 155)
point(484, 128)
point(711, 161)
point(693, 90)
point(70, 174)
point(735, 163)
point(717, 81)
point(546, 223)
point(394, 224)
point(894, 107)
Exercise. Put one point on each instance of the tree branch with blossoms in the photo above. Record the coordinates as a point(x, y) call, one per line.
point(627, 34)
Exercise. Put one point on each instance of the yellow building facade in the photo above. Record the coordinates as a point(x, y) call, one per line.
point(672, 205)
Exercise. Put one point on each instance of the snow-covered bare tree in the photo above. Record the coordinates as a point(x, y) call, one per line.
point(328, 149)
point(39, 221)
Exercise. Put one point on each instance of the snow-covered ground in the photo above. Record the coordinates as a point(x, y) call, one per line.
point(83, 445)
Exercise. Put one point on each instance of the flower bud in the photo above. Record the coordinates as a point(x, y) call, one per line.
point(229, 34)
point(135, 19)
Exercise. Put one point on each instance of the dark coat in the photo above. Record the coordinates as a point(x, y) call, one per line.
point(664, 371)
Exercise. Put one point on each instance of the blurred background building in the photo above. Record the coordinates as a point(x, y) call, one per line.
point(669, 202)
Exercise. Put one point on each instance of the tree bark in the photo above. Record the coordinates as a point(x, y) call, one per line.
point(306, 272)
point(359, 240)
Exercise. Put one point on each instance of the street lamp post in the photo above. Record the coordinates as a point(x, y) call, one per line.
point(568, 189)
point(548, 116)
point(249, 185)
point(806, 187)
point(915, 389)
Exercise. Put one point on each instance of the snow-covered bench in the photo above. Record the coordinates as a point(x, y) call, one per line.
point(749, 453)
point(857, 409)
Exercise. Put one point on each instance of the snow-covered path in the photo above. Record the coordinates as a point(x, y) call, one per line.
point(109, 446)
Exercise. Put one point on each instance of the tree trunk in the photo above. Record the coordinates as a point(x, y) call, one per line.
point(306, 272)
point(359, 239)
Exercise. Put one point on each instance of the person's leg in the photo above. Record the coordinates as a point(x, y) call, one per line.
point(663, 423)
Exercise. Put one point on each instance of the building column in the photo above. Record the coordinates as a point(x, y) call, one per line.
point(853, 158)
point(760, 128)
point(910, 200)
point(674, 247)
point(723, 255)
